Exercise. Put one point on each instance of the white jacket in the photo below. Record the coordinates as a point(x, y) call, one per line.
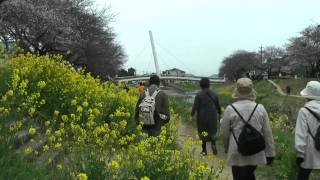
point(304, 143)
point(259, 120)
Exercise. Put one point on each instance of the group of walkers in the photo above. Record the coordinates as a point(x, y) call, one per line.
point(245, 127)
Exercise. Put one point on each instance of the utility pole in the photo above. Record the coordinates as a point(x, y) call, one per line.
point(261, 54)
point(154, 53)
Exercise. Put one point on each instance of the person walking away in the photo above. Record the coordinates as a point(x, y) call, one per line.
point(288, 89)
point(141, 88)
point(206, 106)
point(152, 108)
point(307, 131)
point(246, 132)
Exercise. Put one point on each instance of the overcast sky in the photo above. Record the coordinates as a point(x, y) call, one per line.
point(195, 35)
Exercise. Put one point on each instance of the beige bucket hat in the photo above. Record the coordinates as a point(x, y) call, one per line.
point(311, 91)
point(244, 90)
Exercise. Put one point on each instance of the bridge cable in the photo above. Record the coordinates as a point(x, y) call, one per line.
point(163, 60)
point(140, 52)
point(175, 57)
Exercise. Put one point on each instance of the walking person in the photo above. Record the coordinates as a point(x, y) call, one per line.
point(246, 132)
point(207, 108)
point(141, 88)
point(307, 131)
point(152, 108)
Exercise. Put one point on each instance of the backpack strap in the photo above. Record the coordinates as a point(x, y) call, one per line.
point(155, 93)
point(246, 122)
point(318, 119)
point(313, 113)
point(147, 93)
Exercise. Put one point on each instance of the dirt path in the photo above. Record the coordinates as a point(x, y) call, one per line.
point(186, 131)
point(279, 90)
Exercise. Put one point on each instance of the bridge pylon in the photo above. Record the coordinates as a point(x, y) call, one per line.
point(154, 54)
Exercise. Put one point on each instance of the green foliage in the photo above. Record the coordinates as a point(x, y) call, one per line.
point(284, 166)
point(296, 85)
point(13, 167)
point(182, 107)
point(188, 86)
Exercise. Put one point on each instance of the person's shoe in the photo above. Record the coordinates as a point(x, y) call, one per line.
point(203, 153)
point(214, 149)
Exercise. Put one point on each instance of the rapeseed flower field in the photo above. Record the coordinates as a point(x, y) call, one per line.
point(91, 125)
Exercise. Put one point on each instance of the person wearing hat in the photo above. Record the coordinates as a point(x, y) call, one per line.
point(243, 167)
point(206, 106)
point(308, 157)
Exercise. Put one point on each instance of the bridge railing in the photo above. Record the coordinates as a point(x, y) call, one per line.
point(167, 77)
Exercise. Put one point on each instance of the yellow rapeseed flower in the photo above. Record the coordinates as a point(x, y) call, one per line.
point(10, 93)
point(59, 166)
point(85, 104)
point(139, 164)
point(79, 109)
point(113, 165)
point(47, 123)
point(41, 84)
point(73, 102)
point(45, 148)
point(56, 113)
point(58, 145)
point(31, 111)
point(145, 178)
point(32, 131)
point(82, 176)
point(28, 150)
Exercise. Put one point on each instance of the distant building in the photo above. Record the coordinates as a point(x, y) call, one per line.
point(174, 72)
point(214, 76)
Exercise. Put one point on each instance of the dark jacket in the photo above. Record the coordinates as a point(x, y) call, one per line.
point(162, 106)
point(206, 104)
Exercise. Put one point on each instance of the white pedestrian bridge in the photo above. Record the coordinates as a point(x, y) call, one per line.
point(166, 77)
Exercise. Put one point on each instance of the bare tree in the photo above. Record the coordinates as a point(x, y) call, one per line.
point(306, 50)
point(239, 64)
point(71, 28)
point(275, 58)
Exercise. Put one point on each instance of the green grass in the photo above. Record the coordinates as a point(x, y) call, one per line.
point(4, 79)
point(188, 86)
point(284, 166)
point(183, 108)
point(296, 85)
point(12, 166)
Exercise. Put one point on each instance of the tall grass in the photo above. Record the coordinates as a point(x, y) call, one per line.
point(12, 166)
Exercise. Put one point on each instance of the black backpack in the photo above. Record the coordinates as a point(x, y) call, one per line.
point(315, 137)
point(250, 140)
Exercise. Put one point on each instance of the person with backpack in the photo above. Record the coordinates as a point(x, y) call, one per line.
point(307, 131)
point(152, 108)
point(206, 106)
point(246, 132)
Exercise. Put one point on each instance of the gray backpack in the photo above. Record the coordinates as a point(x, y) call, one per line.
point(147, 108)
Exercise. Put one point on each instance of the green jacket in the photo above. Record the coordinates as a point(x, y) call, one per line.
point(162, 106)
